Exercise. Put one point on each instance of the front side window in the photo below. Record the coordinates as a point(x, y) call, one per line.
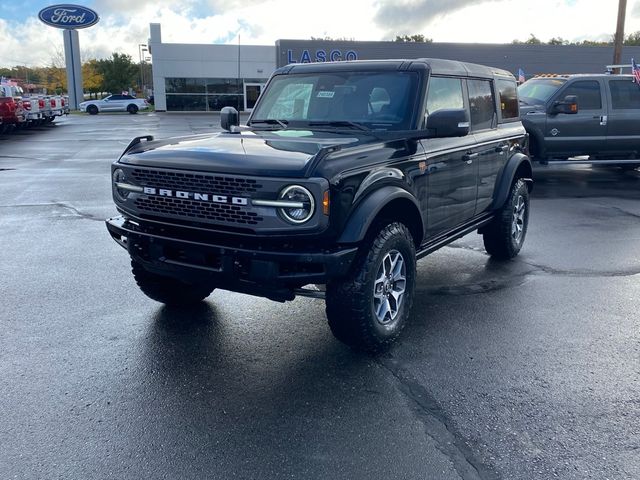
point(444, 93)
point(481, 104)
point(625, 94)
point(588, 93)
point(378, 100)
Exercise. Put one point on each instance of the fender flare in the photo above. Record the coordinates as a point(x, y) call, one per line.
point(503, 186)
point(536, 133)
point(363, 216)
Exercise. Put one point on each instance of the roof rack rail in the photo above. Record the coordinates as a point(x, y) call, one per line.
point(610, 68)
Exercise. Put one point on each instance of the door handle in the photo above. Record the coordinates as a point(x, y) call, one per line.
point(469, 156)
point(502, 148)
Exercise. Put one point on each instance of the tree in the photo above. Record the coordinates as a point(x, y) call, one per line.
point(332, 39)
point(633, 39)
point(92, 79)
point(415, 38)
point(119, 72)
point(558, 41)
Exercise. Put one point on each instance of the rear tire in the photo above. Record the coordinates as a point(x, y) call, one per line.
point(132, 109)
point(369, 309)
point(92, 110)
point(168, 290)
point(505, 235)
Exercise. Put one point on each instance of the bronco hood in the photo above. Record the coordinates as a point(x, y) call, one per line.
point(281, 153)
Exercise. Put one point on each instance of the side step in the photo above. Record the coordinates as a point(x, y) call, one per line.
point(589, 162)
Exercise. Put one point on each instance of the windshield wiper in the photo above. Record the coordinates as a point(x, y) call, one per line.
point(271, 121)
point(340, 123)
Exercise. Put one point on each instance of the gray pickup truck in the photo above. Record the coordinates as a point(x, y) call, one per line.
point(582, 115)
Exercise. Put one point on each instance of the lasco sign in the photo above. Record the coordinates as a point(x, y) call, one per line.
point(68, 16)
point(321, 56)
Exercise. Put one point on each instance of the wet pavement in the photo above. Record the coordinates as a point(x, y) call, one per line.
point(522, 370)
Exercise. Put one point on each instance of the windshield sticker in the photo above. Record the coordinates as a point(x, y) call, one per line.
point(326, 94)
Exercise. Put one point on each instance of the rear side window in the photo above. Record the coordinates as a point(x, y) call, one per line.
point(625, 94)
point(481, 104)
point(588, 93)
point(507, 90)
point(444, 93)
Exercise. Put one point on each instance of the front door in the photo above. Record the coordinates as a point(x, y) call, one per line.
point(251, 93)
point(582, 133)
point(451, 164)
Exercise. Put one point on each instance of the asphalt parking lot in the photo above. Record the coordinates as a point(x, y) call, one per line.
point(521, 370)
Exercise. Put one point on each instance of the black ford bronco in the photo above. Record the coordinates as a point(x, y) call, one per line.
point(345, 174)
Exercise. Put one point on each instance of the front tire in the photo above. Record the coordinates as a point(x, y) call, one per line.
point(92, 110)
point(369, 309)
point(168, 290)
point(505, 235)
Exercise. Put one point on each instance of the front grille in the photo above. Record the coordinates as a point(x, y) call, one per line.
point(196, 182)
point(197, 210)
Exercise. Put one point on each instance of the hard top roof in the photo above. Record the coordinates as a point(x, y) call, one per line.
point(436, 65)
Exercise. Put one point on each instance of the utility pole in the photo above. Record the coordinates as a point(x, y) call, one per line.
point(619, 38)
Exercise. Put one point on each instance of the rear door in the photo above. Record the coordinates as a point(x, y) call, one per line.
point(585, 132)
point(623, 131)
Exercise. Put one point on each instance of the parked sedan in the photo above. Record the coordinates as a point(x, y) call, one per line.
point(114, 103)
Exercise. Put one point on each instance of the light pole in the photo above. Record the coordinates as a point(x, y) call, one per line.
point(142, 47)
point(619, 38)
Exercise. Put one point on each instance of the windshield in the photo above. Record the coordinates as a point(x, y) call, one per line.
point(539, 90)
point(376, 100)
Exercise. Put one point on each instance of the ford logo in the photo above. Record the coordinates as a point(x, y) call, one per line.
point(68, 16)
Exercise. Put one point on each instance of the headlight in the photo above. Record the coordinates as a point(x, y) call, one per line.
point(305, 205)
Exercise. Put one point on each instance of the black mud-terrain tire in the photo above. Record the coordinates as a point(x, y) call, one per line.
point(132, 109)
point(505, 235)
point(167, 290)
point(92, 110)
point(351, 305)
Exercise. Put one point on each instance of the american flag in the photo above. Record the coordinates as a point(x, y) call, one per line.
point(521, 77)
point(635, 69)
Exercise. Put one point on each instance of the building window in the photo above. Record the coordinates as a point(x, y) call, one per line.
point(186, 103)
point(205, 94)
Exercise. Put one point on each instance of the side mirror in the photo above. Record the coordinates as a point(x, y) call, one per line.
point(452, 122)
point(568, 105)
point(229, 117)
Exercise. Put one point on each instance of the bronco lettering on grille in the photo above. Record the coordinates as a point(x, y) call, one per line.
point(203, 197)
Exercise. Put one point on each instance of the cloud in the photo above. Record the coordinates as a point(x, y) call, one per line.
point(124, 24)
point(410, 16)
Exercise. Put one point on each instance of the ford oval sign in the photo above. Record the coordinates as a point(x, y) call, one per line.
point(68, 16)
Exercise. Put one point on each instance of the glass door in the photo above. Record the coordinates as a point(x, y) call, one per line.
point(251, 93)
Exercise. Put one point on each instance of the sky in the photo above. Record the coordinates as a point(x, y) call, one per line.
point(124, 24)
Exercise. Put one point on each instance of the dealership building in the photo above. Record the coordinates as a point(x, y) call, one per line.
point(188, 77)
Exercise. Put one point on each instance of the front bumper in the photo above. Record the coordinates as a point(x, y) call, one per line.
point(265, 272)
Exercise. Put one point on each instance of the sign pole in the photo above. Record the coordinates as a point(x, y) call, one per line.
point(74, 68)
